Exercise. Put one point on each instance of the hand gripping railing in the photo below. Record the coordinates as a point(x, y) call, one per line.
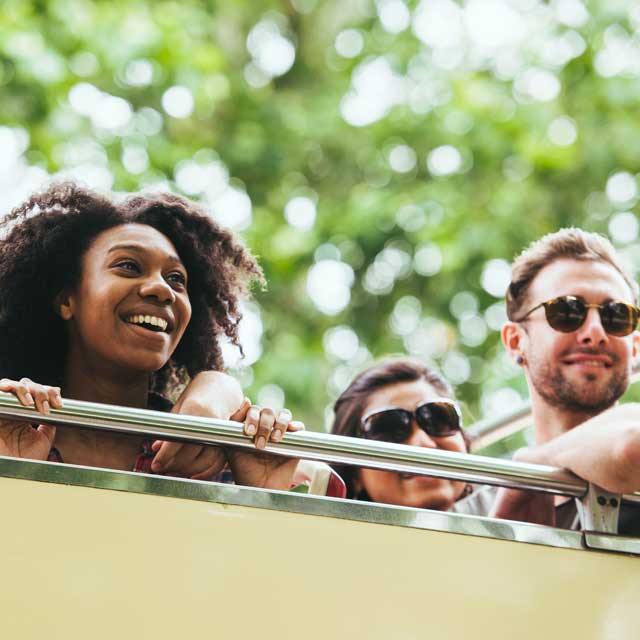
point(307, 444)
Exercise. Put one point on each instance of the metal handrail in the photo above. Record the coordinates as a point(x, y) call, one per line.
point(309, 445)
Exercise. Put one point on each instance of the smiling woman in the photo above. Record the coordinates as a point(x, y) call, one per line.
point(125, 304)
point(401, 400)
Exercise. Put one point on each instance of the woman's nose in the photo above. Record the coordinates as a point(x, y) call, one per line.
point(158, 288)
point(420, 438)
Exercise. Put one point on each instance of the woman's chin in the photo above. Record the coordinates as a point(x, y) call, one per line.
point(145, 364)
point(438, 494)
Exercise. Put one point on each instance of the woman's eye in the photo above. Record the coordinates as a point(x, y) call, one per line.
point(177, 278)
point(128, 265)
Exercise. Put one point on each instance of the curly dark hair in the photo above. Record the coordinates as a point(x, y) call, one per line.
point(42, 243)
point(349, 407)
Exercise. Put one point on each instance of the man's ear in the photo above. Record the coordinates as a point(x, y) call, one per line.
point(636, 344)
point(514, 339)
point(62, 305)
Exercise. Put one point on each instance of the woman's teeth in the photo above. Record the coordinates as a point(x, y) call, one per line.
point(154, 321)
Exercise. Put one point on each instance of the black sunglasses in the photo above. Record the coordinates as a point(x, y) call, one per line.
point(439, 418)
point(568, 313)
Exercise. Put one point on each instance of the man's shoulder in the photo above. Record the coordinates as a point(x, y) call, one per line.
point(478, 503)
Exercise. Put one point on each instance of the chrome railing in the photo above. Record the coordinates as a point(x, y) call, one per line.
point(307, 444)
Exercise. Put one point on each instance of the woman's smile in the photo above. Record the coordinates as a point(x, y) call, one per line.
point(151, 322)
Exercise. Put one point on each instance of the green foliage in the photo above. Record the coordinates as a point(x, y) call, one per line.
point(521, 173)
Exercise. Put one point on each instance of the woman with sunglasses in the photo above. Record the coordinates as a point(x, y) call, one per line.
point(126, 305)
point(400, 400)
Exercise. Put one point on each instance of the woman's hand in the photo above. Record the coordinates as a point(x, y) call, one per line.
point(265, 425)
point(262, 469)
point(20, 439)
point(210, 394)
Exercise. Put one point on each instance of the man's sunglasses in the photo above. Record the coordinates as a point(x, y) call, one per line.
point(439, 419)
point(568, 313)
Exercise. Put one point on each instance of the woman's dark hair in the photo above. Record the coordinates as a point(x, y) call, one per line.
point(42, 244)
point(349, 407)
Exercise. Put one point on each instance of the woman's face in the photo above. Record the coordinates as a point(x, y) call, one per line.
point(131, 307)
point(406, 489)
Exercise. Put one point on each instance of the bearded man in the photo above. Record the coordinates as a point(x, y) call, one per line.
point(572, 310)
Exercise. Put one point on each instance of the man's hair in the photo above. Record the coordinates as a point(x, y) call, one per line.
point(571, 243)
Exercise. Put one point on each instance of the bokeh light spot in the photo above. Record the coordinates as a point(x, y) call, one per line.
point(456, 367)
point(300, 212)
point(444, 161)
point(623, 227)
point(341, 343)
point(329, 285)
point(349, 43)
point(463, 303)
point(427, 260)
point(232, 208)
point(496, 276)
point(406, 315)
point(402, 158)
point(562, 131)
point(394, 15)
point(178, 101)
point(271, 395)
point(272, 53)
point(622, 188)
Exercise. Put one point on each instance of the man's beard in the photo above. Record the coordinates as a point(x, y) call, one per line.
point(576, 397)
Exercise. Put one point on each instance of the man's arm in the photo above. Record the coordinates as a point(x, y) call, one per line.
point(604, 450)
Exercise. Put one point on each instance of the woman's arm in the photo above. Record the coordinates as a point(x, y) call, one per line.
point(20, 439)
point(210, 394)
point(216, 395)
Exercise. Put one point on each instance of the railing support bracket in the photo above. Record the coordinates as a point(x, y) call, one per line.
point(599, 510)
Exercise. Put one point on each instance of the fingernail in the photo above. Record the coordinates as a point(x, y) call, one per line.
point(251, 429)
point(277, 434)
point(261, 443)
point(45, 406)
point(156, 466)
point(29, 399)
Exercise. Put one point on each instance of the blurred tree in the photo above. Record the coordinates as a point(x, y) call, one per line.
point(385, 160)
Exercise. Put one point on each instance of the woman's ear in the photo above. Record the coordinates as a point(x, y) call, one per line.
point(62, 305)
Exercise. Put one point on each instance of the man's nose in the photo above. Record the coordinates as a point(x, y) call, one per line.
point(155, 286)
point(592, 331)
point(420, 438)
